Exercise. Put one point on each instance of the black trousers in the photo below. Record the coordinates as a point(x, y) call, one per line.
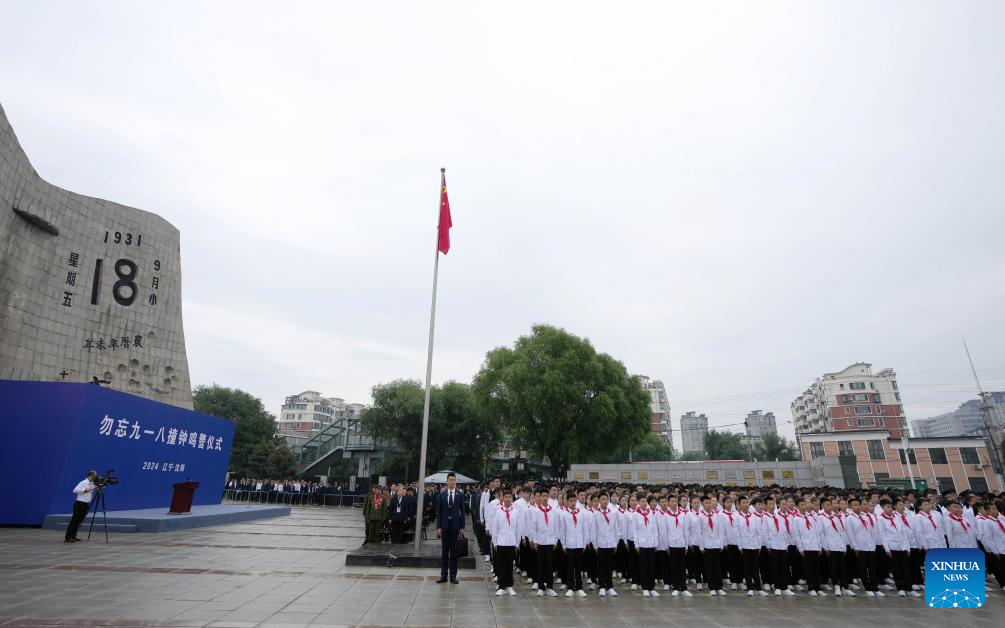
point(865, 563)
point(883, 565)
point(794, 563)
point(79, 514)
point(918, 561)
point(713, 568)
point(546, 566)
point(675, 565)
point(694, 564)
point(447, 556)
point(647, 568)
point(621, 559)
point(573, 576)
point(836, 569)
point(732, 564)
point(779, 568)
point(751, 569)
point(590, 562)
point(811, 569)
point(605, 567)
point(995, 564)
point(764, 562)
point(633, 563)
point(396, 527)
point(662, 570)
point(900, 562)
point(504, 565)
point(528, 561)
point(559, 560)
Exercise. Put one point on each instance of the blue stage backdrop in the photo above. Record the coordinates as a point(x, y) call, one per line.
point(54, 432)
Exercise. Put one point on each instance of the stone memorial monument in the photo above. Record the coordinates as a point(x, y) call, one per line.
point(88, 288)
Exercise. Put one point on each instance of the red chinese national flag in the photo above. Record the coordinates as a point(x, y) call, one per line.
point(445, 222)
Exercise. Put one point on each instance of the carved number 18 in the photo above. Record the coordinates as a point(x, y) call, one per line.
point(125, 271)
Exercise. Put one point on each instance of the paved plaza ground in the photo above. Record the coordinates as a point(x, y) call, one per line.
point(291, 572)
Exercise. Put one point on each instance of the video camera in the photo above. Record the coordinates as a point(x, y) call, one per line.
point(108, 479)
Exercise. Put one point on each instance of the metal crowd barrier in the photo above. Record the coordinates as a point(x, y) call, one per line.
point(293, 498)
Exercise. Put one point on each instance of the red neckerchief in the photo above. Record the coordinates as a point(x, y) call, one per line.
point(730, 515)
point(621, 510)
point(545, 511)
point(903, 517)
point(506, 510)
point(962, 522)
point(807, 518)
point(930, 520)
point(645, 516)
point(675, 516)
point(785, 518)
point(604, 512)
point(1000, 524)
point(831, 518)
point(775, 519)
point(711, 526)
point(890, 519)
point(758, 514)
point(864, 524)
point(746, 517)
point(573, 513)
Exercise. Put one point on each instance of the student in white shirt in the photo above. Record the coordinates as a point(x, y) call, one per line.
point(808, 542)
point(750, 543)
point(993, 523)
point(82, 494)
point(605, 540)
point(929, 529)
point(695, 558)
point(572, 532)
point(777, 536)
point(895, 538)
point(834, 541)
point(731, 562)
point(860, 528)
point(712, 536)
point(959, 531)
point(675, 539)
point(505, 537)
point(543, 531)
point(646, 536)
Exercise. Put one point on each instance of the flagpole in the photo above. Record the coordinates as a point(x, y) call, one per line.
point(429, 373)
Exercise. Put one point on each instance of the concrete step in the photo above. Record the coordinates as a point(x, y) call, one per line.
point(98, 528)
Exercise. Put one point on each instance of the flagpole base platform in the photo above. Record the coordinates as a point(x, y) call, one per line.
point(405, 555)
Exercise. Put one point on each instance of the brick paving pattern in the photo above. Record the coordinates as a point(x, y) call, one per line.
point(292, 572)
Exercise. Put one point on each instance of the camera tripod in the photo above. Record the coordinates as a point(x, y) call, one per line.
point(99, 498)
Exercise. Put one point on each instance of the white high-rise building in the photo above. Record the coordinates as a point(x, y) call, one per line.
point(659, 403)
point(854, 398)
point(761, 423)
point(306, 414)
point(693, 429)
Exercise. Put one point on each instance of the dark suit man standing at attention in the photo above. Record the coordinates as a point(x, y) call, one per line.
point(449, 526)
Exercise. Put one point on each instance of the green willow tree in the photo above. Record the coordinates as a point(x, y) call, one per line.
point(560, 398)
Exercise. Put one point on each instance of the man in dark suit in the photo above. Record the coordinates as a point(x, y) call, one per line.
point(399, 514)
point(449, 526)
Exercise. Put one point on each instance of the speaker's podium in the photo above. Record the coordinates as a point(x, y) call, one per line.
point(181, 500)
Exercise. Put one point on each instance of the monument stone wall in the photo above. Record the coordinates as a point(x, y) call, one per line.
point(88, 288)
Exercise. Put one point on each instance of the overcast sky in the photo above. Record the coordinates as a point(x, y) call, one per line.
point(734, 198)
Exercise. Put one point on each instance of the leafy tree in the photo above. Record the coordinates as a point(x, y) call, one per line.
point(651, 449)
point(775, 447)
point(724, 446)
point(257, 464)
point(556, 396)
point(254, 424)
point(457, 430)
point(692, 456)
point(279, 464)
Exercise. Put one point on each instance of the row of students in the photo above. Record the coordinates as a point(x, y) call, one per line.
point(775, 544)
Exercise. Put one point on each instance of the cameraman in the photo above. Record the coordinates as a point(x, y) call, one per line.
point(84, 491)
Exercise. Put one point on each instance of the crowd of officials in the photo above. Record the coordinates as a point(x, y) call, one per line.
point(759, 540)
